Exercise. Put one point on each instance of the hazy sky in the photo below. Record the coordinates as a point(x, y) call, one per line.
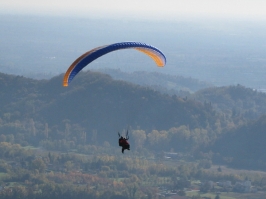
point(164, 9)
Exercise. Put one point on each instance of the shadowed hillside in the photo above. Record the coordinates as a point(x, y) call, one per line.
point(98, 102)
point(95, 106)
point(244, 147)
point(238, 101)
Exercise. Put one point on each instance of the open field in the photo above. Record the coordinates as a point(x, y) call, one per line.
point(2, 175)
point(240, 172)
point(230, 195)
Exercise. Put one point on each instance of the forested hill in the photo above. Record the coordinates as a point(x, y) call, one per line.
point(237, 101)
point(95, 106)
point(95, 102)
point(16, 93)
point(244, 147)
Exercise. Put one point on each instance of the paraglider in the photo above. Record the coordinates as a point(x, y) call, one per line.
point(95, 53)
point(85, 59)
point(123, 142)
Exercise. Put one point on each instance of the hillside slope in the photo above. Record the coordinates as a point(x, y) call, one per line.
point(96, 102)
point(244, 147)
point(237, 101)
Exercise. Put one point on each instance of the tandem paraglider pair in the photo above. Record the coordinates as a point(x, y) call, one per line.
point(95, 53)
point(123, 142)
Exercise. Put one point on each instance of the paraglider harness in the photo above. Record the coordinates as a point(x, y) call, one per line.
point(123, 142)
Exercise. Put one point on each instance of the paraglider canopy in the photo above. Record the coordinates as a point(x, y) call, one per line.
point(95, 53)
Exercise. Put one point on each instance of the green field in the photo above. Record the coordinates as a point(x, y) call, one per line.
point(230, 195)
point(2, 175)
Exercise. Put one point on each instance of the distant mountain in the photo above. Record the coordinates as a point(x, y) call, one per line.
point(223, 53)
point(165, 83)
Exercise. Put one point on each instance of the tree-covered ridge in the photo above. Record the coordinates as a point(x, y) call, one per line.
point(16, 90)
point(244, 147)
point(238, 100)
point(95, 106)
point(96, 102)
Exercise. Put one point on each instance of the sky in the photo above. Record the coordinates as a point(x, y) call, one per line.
point(150, 9)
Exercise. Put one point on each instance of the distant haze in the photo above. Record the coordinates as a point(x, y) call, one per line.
point(152, 9)
point(221, 52)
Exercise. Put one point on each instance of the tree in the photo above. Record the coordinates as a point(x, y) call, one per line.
point(2, 138)
point(38, 164)
point(69, 165)
point(139, 138)
point(32, 127)
point(46, 131)
point(181, 193)
point(206, 164)
point(10, 138)
point(132, 189)
point(217, 196)
point(94, 138)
